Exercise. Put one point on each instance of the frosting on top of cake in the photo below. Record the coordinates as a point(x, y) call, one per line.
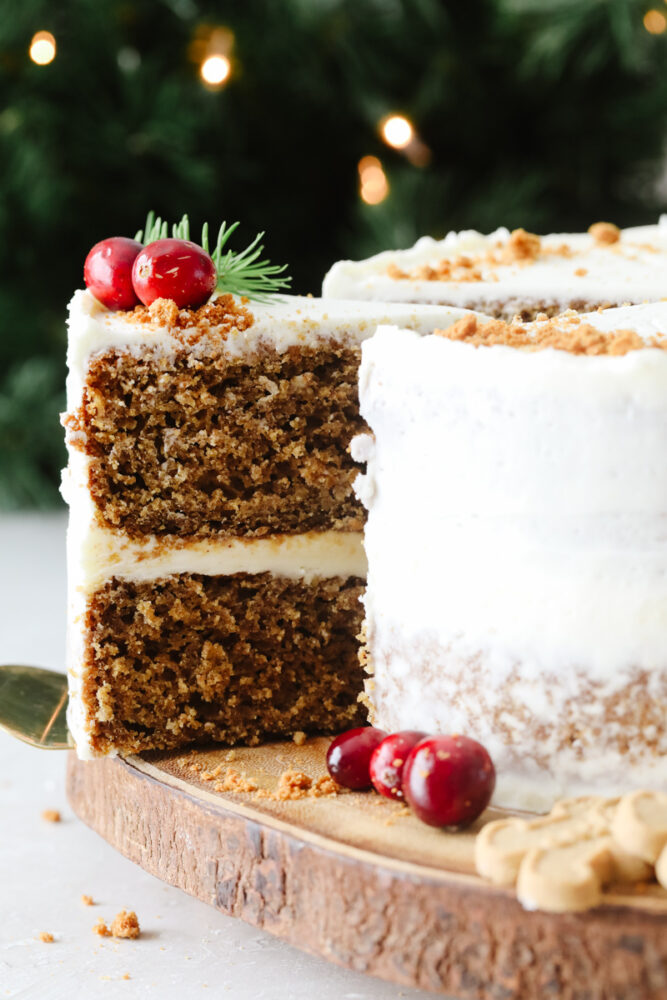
point(287, 321)
point(603, 266)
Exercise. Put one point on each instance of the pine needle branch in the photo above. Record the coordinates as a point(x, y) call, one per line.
point(241, 273)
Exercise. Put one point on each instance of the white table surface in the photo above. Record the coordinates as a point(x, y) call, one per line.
point(186, 949)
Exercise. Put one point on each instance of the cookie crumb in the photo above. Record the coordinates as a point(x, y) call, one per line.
point(46, 937)
point(324, 786)
point(521, 246)
point(101, 929)
point(125, 925)
point(51, 816)
point(299, 738)
point(605, 233)
point(293, 785)
point(87, 900)
point(126, 975)
point(163, 311)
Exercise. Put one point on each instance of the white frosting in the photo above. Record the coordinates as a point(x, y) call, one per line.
point(518, 522)
point(632, 270)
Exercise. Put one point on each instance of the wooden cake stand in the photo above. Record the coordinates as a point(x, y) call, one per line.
point(356, 880)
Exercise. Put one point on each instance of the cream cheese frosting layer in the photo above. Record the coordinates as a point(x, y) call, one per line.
point(634, 269)
point(286, 322)
point(518, 527)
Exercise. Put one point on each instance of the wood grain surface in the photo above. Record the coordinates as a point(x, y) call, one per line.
point(355, 879)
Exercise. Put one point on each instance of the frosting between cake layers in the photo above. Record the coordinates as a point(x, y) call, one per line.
point(531, 494)
point(631, 270)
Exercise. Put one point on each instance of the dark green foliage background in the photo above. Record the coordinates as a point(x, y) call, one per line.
point(543, 113)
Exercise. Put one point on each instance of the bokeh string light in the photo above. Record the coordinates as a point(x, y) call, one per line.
point(215, 70)
point(373, 183)
point(42, 48)
point(397, 131)
point(655, 22)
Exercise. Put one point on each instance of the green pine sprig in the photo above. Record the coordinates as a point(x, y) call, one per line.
point(239, 273)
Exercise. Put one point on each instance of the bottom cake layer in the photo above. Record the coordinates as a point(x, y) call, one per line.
point(192, 657)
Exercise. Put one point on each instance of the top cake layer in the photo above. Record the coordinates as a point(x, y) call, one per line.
point(230, 421)
point(505, 273)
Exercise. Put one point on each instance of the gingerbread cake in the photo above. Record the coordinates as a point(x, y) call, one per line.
point(504, 274)
point(516, 487)
point(215, 543)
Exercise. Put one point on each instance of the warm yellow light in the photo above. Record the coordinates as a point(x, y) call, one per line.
point(43, 48)
point(374, 186)
point(215, 70)
point(397, 131)
point(655, 22)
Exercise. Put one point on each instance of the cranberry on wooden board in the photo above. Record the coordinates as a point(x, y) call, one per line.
point(388, 761)
point(349, 756)
point(448, 780)
point(107, 272)
point(174, 269)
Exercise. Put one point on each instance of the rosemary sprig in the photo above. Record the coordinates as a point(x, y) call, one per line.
point(239, 273)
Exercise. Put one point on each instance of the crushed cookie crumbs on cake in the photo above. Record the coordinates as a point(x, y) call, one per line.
point(581, 272)
point(46, 937)
point(223, 313)
point(605, 233)
point(521, 246)
point(51, 816)
point(563, 333)
point(125, 925)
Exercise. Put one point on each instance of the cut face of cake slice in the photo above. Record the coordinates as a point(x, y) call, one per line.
point(214, 549)
point(516, 486)
point(507, 274)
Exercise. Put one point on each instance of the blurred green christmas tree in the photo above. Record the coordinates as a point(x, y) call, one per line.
point(542, 113)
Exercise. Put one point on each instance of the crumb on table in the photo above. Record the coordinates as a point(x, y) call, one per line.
point(299, 738)
point(46, 937)
point(125, 925)
point(51, 816)
point(101, 928)
point(87, 900)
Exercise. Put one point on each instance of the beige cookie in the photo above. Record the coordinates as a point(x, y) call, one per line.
point(560, 862)
point(500, 847)
point(640, 824)
point(661, 868)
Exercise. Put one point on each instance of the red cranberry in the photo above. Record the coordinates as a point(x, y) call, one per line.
point(389, 759)
point(448, 780)
point(349, 756)
point(108, 272)
point(174, 269)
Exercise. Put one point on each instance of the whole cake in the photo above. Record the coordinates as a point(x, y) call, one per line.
point(506, 274)
point(214, 550)
point(516, 486)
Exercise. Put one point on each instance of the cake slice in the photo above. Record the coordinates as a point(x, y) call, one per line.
point(516, 486)
point(506, 274)
point(215, 543)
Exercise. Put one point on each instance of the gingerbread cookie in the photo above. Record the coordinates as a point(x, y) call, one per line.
point(561, 862)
